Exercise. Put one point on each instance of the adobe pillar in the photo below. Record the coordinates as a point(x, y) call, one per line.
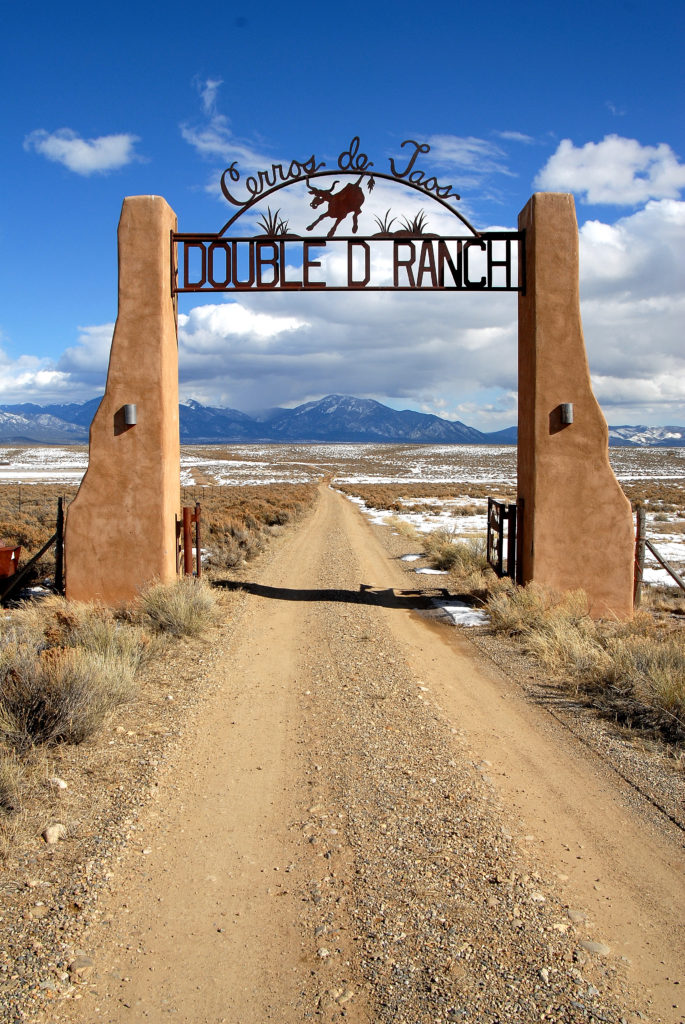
point(577, 528)
point(120, 530)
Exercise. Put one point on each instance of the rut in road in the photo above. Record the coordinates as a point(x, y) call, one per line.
point(331, 844)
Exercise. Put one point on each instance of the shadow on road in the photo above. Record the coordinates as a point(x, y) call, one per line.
point(367, 594)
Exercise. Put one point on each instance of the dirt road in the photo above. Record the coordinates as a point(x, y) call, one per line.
point(365, 824)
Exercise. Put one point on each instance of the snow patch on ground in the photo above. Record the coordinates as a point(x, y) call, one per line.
point(462, 614)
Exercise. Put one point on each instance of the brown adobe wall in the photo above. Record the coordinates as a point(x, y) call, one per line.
point(120, 530)
point(577, 522)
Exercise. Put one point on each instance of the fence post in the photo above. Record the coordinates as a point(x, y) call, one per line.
point(198, 539)
point(639, 555)
point(511, 541)
point(187, 541)
point(59, 549)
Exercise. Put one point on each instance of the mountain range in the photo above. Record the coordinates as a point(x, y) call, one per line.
point(333, 419)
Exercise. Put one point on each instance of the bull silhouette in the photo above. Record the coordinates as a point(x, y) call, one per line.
point(349, 199)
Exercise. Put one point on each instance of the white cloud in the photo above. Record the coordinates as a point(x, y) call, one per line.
point(208, 93)
point(465, 152)
point(83, 156)
point(633, 306)
point(29, 378)
point(230, 319)
point(616, 171)
point(89, 357)
point(212, 137)
point(512, 136)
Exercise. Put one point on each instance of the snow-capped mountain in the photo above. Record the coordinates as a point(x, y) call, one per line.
point(663, 437)
point(333, 418)
point(343, 418)
point(41, 426)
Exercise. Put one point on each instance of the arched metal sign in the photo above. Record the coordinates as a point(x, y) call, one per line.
point(401, 255)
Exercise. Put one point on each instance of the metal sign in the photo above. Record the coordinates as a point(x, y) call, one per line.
point(401, 254)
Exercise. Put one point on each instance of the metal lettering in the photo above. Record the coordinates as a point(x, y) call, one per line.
point(266, 261)
point(211, 277)
point(366, 249)
point(308, 264)
point(298, 170)
point(186, 257)
point(427, 264)
point(419, 147)
point(445, 258)
point(250, 262)
point(291, 263)
point(283, 283)
point(407, 264)
point(417, 177)
point(467, 281)
point(352, 160)
point(506, 263)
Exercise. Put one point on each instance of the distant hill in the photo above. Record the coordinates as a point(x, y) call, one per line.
point(341, 418)
point(335, 418)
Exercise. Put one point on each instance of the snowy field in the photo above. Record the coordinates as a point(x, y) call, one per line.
point(493, 467)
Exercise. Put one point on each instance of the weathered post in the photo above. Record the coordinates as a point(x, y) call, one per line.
point(577, 529)
point(120, 531)
point(640, 533)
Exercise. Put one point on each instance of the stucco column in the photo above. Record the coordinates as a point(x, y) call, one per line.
point(120, 531)
point(577, 528)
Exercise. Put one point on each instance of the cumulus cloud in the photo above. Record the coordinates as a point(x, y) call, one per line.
point(403, 348)
point(83, 156)
point(88, 359)
point(29, 378)
point(616, 171)
point(634, 307)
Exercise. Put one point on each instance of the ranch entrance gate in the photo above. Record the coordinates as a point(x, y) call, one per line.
point(575, 526)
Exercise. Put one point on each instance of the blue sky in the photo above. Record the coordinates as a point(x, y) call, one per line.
point(104, 101)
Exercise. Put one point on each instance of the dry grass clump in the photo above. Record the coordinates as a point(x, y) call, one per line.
point(63, 669)
point(404, 528)
point(59, 696)
point(633, 670)
point(446, 551)
point(650, 670)
point(184, 608)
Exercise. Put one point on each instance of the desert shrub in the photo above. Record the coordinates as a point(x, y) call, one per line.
point(55, 623)
point(184, 608)
point(404, 528)
point(58, 694)
point(446, 551)
point(651, 670)
point(636, 668)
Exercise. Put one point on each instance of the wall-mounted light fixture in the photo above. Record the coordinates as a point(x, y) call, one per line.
point(566, 413)
point(130, 415)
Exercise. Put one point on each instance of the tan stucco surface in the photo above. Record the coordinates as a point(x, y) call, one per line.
point(120, 530)
point(577, 523)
